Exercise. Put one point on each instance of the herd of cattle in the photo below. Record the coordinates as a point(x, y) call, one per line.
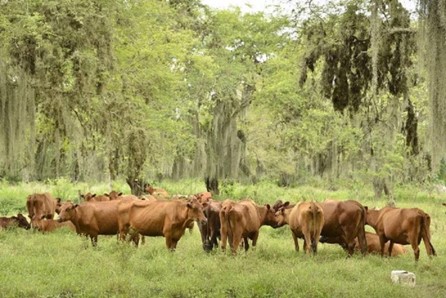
point(157, 214)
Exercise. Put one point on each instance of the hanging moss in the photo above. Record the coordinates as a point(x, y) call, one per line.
point(347, 71)
point(433, 14)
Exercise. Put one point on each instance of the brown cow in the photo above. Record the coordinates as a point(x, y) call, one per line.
point(49, 225)
point(403, 226)
point(42, 205)
point(243, 220)
point(159, 218)
point(306, 220)
point(92, 197)
point(158, 193)
point(204, 196)
point(345, 220)
point(92, 218)
point(373, 245)
point(14, 221)
point(210, 231)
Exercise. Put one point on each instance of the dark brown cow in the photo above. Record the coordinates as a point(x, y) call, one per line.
point(159, 218)
point(42, 205)
point(345, 220)
point(306, 220)
point(243, 220)
point(92, 218)
point(210, 230)
point(403, 226)
point(14, 221)
point(49, 225)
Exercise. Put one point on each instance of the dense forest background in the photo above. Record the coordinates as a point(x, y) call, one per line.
point(351, 92)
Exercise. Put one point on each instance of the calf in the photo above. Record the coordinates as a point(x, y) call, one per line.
point(159, 218)
point(243, 220)
point(306, 220)
point(373, 245)
point(14, 221)
point(49, 225)
point(403, 226)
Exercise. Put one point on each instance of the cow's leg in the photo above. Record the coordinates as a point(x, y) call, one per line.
point(307, 241)
point(416, 250)
point(413, 239)
point(224, 237)
point(296, 244)
point(214, 241)
point(315, 241)
point(245, 243)
point(390, 248)
point(94, 240)
point(382, 242)
point(254, 239)
point(236, 238)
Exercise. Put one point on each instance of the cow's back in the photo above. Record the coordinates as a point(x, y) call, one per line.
point(148, 217)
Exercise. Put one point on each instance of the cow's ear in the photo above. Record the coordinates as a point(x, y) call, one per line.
point(93, 195)
point(75, 206)
point(204, 204)
point(268, 206)
point(366, 208)
point(106, 194)
point(58, 200)
point(119, 194)
point(286, 204)
point(189, 205)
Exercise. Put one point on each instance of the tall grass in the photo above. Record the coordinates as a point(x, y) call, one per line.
point(62, 264)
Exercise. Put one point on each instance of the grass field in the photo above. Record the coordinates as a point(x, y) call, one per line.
point(63, 264)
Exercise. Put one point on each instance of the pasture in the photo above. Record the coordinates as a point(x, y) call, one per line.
point(62, 264)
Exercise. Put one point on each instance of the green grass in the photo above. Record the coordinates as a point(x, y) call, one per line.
point(63, 264)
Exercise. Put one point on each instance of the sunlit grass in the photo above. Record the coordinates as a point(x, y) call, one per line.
point(63, 264)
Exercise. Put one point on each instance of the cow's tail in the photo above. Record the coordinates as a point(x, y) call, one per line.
point(426, 235)
point(361, 231)
point(225, 225)
point(315, 225)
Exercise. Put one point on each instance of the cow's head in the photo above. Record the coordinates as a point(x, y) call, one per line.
point(67, 211)
point(195, 210)
point(204, 196)
point(87, 197)
point(270, 218)
point(113, 195)
point(281, 215)
point(22, 222)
